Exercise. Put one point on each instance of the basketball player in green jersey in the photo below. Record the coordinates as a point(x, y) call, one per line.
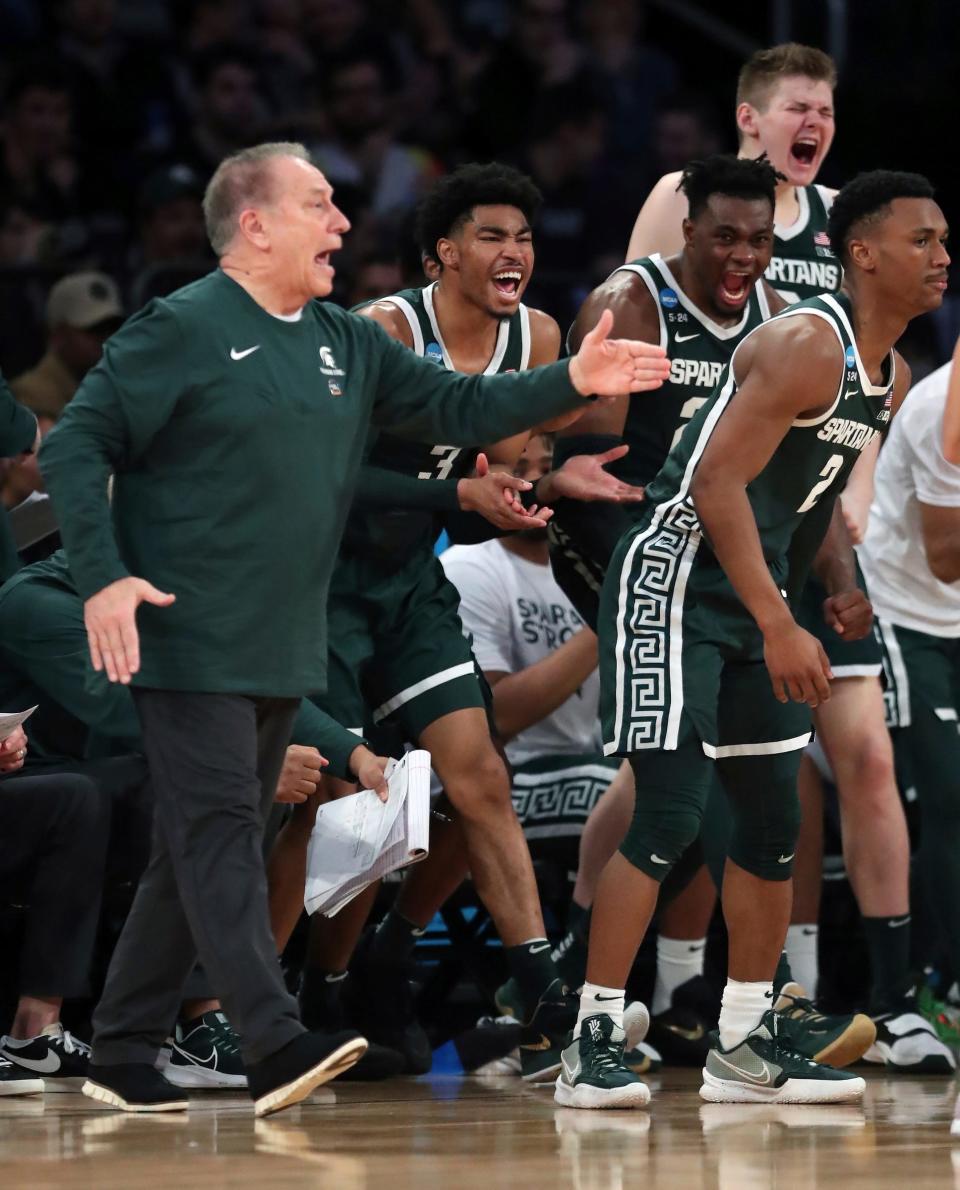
point(785, 110)
point(695, 630)
point(398, 655)
point(699, 304)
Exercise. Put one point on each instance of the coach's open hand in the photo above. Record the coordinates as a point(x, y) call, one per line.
point(610, 367)
point(111, 620)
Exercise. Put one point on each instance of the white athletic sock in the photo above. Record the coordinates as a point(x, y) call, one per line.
point(595, 999)
point(801, 948)
point(678, 959)
point(742, 1007)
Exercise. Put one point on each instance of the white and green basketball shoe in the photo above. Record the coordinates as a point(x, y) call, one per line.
point(593, 1073)
point(764, 1068)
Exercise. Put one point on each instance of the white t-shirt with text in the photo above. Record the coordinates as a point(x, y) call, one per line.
point(912, 471)
point(517, 615)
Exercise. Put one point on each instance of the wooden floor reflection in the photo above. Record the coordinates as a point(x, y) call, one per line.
point(470, 1133)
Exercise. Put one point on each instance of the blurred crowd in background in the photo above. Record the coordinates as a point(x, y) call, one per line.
point(115, 115)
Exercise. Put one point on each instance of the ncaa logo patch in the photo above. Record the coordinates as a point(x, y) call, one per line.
point(335, 389)
point(433, 351)
point(850, 358)
point(668, 299)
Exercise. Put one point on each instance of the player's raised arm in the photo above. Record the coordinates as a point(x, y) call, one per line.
point(777, 371)
point(658, 225)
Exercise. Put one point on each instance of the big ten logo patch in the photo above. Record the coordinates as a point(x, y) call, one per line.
point(549, 624)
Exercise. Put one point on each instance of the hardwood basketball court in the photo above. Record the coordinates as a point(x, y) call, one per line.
point(467, 1133)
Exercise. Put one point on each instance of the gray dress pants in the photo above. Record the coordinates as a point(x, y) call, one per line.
point(214, 762)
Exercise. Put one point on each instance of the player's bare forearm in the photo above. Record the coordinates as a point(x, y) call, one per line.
point(835, 562)
point(522, 699)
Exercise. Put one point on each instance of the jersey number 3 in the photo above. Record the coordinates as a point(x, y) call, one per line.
point(447, 457)
point(827, 476)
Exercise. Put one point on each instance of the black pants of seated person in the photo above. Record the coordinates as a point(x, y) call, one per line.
point(54, 832)
point(214, 762)
point(125, 780)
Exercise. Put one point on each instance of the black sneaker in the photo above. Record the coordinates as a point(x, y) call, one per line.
point(383, 1007)
point(14, 1081)
point(543, 1037)
point(321, 1008)
point(204, 1054)
point(133, 1086)
point(682, 1032)
point(307, 1061)
point(55, 1055)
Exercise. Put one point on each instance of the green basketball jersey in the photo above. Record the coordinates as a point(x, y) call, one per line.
point(398, 530)
point(803, 263)
point(809, 468)
point(698, 349)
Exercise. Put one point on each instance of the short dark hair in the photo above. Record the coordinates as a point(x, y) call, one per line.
point(761, 72)
point(450, 203)
point(736, 177)
point(866, 199)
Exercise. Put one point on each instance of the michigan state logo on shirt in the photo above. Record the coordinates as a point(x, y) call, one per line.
point(668, 299)
point(433, 351)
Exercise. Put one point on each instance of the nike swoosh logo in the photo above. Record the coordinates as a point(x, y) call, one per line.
point(606, 999)
point(751, 1078)
point(48, 1065)
point(851, 393)
point(785, 859)
point(538, 1046)
point(657, 860)
point(539, 949)
point(234, 354)
point(684, 338)
point(895, 925)
point(210, 1060)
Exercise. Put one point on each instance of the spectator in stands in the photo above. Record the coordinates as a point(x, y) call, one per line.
point(362, 157)
point(38, 167)
point(633, 77)
point(376, 276)
point(585, 206)
point(538, 52)
point(123, 90)
point(83, 310)
point(684, 130)
point(230, 108)
point(171, 227)
point(24, 232)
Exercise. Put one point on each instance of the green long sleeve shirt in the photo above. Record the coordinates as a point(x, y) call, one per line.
point(45, 662)
point(235, 438)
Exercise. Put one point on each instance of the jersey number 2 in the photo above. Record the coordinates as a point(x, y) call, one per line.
point(827, 476)
point(448, 456)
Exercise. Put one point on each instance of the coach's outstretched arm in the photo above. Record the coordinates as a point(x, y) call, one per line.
point(418, 400)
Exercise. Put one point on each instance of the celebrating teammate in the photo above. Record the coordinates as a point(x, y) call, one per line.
point(695, 629)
